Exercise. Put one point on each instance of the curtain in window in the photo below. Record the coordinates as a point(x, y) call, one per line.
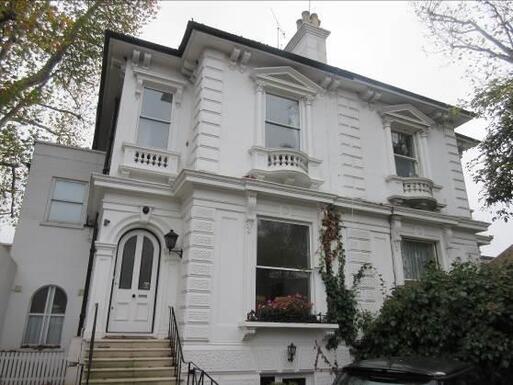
point(416, 256)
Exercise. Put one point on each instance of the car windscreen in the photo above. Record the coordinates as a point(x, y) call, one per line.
point(371, 379)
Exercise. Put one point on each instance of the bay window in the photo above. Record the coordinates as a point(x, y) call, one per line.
point(404, 154)
point(155, 119)
point(283, 260)
point(282, 129)
point(416, 256)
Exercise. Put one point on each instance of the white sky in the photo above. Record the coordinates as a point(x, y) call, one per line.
point(381, 40)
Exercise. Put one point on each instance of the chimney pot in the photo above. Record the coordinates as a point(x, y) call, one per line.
point(310, 39)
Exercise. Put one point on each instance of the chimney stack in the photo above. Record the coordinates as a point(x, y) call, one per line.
point(310, 39)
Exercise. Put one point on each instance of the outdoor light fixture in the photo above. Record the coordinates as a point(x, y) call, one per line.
point(171, 239)
point(291, 352)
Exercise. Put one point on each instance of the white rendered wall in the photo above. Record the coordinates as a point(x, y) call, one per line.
point(213, 129)
point(46, 254)
point(7, 271)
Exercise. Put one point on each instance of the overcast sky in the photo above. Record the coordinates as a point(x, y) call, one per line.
point(381, 40)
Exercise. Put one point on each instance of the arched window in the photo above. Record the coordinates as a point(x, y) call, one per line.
point(46, 317)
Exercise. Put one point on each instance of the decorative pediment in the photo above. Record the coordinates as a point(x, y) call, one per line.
point(286, 78)
point(407, 113)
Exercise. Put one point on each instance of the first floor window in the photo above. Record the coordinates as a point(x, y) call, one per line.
point(283, 260)
point(46, 317)
point(404, 154)
point(416, 255)
point(282, 122)
point(67, 201)
point(155, 119)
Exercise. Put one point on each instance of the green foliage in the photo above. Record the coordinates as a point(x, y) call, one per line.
point(50, 59)
point(466, 313)
point(341, 300)
point(479, 35)
point(494, 166)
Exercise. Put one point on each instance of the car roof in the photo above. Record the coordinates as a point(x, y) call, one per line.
point(425, 366)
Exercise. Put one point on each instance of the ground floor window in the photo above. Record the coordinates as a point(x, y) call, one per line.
point(46, 317)
point(283, 260)
point(416, 255)
point(284, 379)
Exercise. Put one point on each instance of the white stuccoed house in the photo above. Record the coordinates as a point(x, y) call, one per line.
point(236, 147)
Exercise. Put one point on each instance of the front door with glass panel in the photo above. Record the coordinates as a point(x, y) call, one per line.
point(135, 284)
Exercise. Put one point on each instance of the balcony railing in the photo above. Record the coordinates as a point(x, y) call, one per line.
point(416, 192)
point(285, 166)
point(147, 162)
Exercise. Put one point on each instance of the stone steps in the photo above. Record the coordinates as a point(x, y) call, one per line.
point(132, 362)
point(126, 360)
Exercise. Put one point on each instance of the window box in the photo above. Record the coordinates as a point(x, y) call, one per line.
point(250, 328)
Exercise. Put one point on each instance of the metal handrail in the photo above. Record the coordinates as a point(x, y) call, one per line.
point(195, 375)
point(91, 344)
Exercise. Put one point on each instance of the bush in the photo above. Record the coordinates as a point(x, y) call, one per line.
point(292, 308)
point(466, 314)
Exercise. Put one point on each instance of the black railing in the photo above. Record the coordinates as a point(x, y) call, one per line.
point(91, 345)
point(195, 375)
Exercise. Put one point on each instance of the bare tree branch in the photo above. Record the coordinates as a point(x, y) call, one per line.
point(63, 110)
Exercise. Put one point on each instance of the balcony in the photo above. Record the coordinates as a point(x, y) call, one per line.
point(415, 192)
point(148, 163)
point(285, 166)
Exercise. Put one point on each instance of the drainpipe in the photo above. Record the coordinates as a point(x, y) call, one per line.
point(390, 219)
point(92, 251)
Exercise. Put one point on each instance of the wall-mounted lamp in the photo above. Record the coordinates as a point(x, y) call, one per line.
point(171, 239)
point(291, 352)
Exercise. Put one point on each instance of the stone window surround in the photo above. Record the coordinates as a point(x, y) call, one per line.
point(400, 231)
point(304, 93)
point(311, 261)
point(150, 79)
point(419, 128)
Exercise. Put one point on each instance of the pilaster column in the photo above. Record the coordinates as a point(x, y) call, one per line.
point(249, 263)
point(308, 126)
point(447, 252)
point(395, 236)
point(425, 160)
point(100, 288)
point(387, 125)
point(259, 114)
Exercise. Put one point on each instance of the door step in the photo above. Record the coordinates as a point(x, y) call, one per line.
point(129, 352)
point(130, 373)
point(131, 362)
point(134, 381)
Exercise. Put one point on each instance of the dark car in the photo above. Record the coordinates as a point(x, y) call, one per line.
point(408, 371)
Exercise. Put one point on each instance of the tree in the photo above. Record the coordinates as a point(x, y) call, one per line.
point(50, 59)
point(481, 35)
point(466, 313)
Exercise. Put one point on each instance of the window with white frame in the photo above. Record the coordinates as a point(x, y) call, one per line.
point(283, 260)
point(416, 256)
point(46, 317)
point(404, 154)
point(67, 202)
point(155, 119)
point(282, 126)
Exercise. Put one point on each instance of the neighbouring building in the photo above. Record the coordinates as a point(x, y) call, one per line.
point(236, 147)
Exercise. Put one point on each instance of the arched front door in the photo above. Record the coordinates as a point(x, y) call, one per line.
point(135, 283)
